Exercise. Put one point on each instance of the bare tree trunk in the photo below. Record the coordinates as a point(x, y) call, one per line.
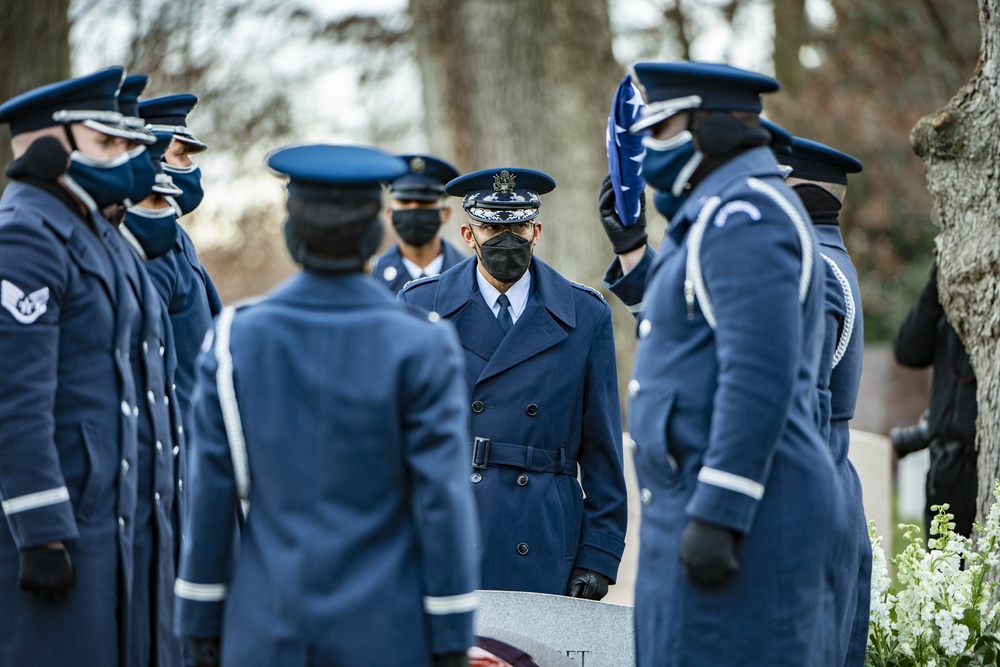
point(34, 48)
point(791, 32)
point(961, 150)
point(524, 83)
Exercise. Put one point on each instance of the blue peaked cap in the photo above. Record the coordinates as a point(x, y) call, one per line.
point(128, 97)
point(92, 97)
point(673, 87)
point(324, 172)
point(170, 113)
point(501, 196)
point(424, 180)
point(813, 161)
point(781, 139)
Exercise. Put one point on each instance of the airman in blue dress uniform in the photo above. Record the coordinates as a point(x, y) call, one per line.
point(819, 177)
point(80, 353)
point(359, 506)
point(542, 388)
point(418, 212)
point(737, 484)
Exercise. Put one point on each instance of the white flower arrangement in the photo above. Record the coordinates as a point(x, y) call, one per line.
point(942, 614)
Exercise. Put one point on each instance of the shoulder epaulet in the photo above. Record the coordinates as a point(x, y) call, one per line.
point(587, 288)
point(421, 281)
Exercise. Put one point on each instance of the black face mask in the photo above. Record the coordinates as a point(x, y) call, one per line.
point(416, 226)
point(45, 159)
point(821, 206)
point(506, 256)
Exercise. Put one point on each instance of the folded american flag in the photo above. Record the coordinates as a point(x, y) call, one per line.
point(625, 151)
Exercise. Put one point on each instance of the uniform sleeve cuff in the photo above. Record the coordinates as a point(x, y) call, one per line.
point(725, 504)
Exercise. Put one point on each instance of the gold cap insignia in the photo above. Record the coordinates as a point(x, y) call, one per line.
point(503, 182)
point(418, 164)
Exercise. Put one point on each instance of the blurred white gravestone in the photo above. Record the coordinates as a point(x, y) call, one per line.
point(911, 477)
point(871, 454)
point(590, 634)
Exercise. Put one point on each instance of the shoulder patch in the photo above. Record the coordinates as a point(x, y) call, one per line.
point(586, 288)
point(26, 308)
point(738, 206)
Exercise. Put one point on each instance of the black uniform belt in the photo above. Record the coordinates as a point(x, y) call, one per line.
point(524, 457)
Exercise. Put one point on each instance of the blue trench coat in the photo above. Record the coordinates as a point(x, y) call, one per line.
point(68, 436)
point(840, 376)
point(725, 426)
point(546, 396)
point(358, 548)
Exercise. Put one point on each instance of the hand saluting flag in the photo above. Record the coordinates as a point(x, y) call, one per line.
point(625, 152)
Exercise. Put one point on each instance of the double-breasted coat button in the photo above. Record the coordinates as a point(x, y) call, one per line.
point(475, 478)
point(478, 406)
point(124, 465)
point(145, 347)
point(126, 410)
point(644, 328)
point(151, 397)
point(177, 450)
point(156, 499)
point(646, 496)
point(159, 447)
point(522, 548)
point(522, 479)
point(121, 523)
point(532, 410)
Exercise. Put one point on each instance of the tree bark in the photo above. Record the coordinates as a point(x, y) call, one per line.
point(523, 83)
point(791, 32)
point(961, 152)
point(34, 47)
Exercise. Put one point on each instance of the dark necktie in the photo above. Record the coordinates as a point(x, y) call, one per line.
point(503, 317)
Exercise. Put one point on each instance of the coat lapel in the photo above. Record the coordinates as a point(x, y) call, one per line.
point(534, 332)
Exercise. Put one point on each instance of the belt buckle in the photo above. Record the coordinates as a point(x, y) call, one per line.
point(480, 444)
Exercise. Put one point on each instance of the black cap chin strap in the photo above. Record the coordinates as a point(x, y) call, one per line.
point(68, 129)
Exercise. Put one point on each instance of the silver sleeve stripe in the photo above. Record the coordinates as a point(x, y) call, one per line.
point(451, 604)
point(850, 311)
point(805, 240)
point(727, 480)
point(227, 402)
point(35, 500)
point(635, 308)
point(199, 592)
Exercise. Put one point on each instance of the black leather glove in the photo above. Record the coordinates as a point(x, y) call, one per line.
point(451, 660)
point(47, 573)
point(205, 651)
point(587, 584)
point(623, 239)
point(708, 553)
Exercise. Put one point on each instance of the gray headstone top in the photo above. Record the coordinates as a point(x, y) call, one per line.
point(588, 633)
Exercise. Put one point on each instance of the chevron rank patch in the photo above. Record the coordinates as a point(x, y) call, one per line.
point(26, 308)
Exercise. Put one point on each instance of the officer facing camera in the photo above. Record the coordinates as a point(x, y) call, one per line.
point(542, 397)
point(418, 211)
point(926, 338)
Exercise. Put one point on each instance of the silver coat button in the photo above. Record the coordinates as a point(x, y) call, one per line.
point(522, 548)
point(145, 347)
point(633, 388)
point(156, 499)
point(522, 480)
point(124, 465)
point(644, 328)
point(121, 523)
point(159, 447)
point(646, 496)
point(126, 410)
point(151, 397)
point(475, 478)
